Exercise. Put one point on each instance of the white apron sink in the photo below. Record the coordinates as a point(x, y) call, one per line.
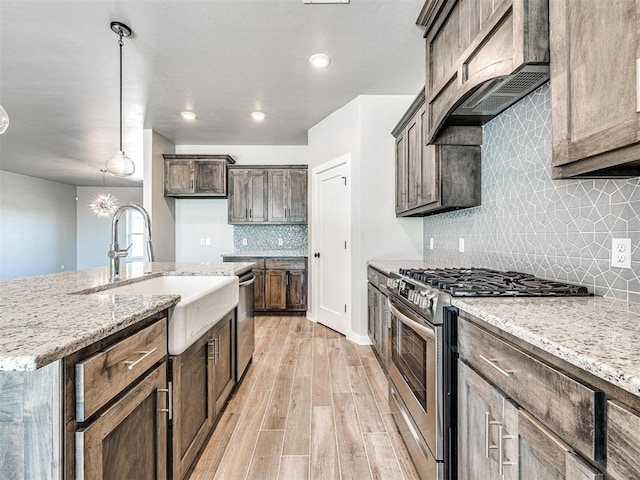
point(204, 301)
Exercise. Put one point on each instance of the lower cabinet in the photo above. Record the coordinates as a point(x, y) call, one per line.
point(623, 442)
point(378, 318)
point(259, 302)
point(373, 316)
point(202, 380)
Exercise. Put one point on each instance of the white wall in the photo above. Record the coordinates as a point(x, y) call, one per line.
point(94, 233)
point(362, 129)
point(161, 209)
point(37, 226)
point(207, 218)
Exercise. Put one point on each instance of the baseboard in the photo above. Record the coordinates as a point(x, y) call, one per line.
point(359, 339)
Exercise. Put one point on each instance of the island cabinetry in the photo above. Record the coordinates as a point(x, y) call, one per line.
point(117, 405)
point(623, 442)
point(196, 175)
point(595, 88)
point(247, 196)
point(271, 195)
point(201, 381)
point(438, 176)
point(521, 418)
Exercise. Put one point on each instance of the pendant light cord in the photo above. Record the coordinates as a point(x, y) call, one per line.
point(121, 43)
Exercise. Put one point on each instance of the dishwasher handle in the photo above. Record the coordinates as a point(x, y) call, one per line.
point(248, 282)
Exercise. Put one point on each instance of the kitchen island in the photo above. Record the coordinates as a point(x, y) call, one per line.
point(47, 318)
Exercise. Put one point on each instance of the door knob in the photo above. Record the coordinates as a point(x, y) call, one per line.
point(317, 254)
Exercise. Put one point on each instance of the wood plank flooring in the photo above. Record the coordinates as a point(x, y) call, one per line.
point(313, 405)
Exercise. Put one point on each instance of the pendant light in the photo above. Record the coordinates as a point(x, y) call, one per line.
point(103, 204)
point(120, 165)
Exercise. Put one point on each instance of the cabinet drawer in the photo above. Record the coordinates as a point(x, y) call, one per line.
point(102, 376)
point(572, 410)
point(285, 263)
point(623, 442)
point(259, 261)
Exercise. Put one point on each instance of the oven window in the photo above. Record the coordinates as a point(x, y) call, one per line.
point(409, 353)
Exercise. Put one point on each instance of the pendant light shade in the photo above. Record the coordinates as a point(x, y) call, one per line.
point(120, 165)
point(4, 120)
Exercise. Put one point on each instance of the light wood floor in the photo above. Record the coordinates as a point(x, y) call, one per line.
point(312, 405)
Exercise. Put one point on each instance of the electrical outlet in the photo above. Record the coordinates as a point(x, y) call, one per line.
point(461, 245)
point(621, 252)
point(61, 267)
point(202, 242)
point(244, 241)
point(280, 242)
point(431, 244)
point(207, 241)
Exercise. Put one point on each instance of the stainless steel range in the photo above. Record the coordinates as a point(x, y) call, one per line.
point(422, 371)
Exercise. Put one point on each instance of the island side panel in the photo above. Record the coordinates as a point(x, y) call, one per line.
point(31, 423)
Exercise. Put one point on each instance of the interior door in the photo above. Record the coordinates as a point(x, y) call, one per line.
point(332, 258)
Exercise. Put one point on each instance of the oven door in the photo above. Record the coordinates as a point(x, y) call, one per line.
point(413, 371)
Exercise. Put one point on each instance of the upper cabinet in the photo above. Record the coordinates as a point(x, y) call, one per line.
point(196, 175)
point(482, 56)
point(595, 88)
point(437, 177)
point(268, 195)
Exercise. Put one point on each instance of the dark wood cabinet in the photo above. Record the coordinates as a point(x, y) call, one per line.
point(192, 374)
point(595, 91)
point(280, 284)
point(247, 196)
point(268, 194)
point(373, 316)
point(223, 360)
point(196, 175)
point(481, 57)
point(623, 442)
point(378, 315)
point(440, 176)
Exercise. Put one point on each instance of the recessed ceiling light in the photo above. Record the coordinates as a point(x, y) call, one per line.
point(258, 116)
point(320, 60)
point(189, 115)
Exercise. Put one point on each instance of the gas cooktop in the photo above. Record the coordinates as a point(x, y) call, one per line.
point(482, 282)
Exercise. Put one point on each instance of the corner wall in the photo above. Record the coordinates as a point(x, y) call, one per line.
point(37, 226)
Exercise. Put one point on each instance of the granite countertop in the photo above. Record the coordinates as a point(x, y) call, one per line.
point(42, 321)
point(393, 266)
point(269, 253)
point(597, 334)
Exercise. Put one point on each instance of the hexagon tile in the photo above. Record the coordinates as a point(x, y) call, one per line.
point(556, 229)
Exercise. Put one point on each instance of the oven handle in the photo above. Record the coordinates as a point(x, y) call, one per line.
point(412, 324)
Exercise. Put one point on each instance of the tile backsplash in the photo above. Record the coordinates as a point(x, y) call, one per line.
point(266, 237)
point(556, 229)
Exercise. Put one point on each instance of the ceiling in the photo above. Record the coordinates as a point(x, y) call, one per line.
point(222, 59)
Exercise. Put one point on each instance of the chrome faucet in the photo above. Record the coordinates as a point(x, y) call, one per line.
point(115, 254)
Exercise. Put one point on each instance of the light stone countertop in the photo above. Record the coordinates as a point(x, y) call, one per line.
point(597, 334)
point(269, 253)
point(389, 266)
point(42, 321)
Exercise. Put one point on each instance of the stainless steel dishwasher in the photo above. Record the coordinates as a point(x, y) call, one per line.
point(245, 326)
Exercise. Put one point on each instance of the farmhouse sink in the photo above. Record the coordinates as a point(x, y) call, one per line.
point(204, 301)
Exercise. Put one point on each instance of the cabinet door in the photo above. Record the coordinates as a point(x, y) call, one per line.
point(258, 291)
point(414, 161)
point(224, 358)
point(278, 185)
point(372, 316)
point(401, 173)
point(296, 290)
point(210, 177)
point(596, 118)
point(276, 289)
point(543, 455)
point(479, 416)
point(193, 403)
point(257, 196)
point(384, 319)
point(178, 177)
point(430, 172)
point(297, 193)
point(238, 209)
point(623, 442)
point(129, 440)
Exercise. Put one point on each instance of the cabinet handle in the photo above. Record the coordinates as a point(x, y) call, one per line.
point(192, 184)
point(285, 212)
point(218, 348)
point(492, 363)
point(287, 279)
point(501, 439)
point(487, 425)
point(246, 213)
point(250, 214)
point(131, 363)
point(169, 392)
point(637, 84)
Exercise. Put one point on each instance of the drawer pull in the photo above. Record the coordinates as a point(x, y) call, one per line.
point(502, 438)
point(131, 363)
point(492, 363)
point(487, 424)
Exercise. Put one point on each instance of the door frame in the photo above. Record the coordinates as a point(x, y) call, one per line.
point(313, 272)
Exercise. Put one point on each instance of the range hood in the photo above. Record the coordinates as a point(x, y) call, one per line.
point(496, 95)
